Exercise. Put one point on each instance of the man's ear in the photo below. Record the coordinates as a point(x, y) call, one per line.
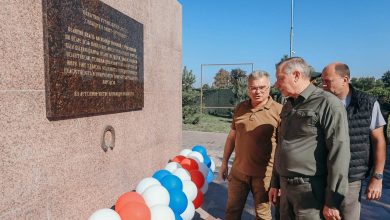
point(346, 80)
point(297, 75)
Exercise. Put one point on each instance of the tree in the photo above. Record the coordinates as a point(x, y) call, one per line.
point(386, 79)
point(239, 83)
point(275, 93)
point(190, 98)
point(363, 83)
point(240, 91)
point(355, 82)
point(236, 74)
point(379, 83)
point(222, 79)
point(379, 92)
point(206, 86)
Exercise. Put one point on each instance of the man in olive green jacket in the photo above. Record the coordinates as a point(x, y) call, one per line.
point(313, 152)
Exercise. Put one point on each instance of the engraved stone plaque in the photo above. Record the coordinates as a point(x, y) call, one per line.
point(93, 59)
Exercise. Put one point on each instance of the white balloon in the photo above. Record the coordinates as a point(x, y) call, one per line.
point(172, 166)
point(159, 212)
point(205, 187)
point(156, 195)
point(190, 189)
point(146, 183)
point(212, 166)
point(203, 169)
point(194, 158)
point(198, 155)
point(185, 152)
point(105, 214)
point(189, 213)
point(182, 173)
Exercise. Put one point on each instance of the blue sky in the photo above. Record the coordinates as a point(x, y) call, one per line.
point(258, 31)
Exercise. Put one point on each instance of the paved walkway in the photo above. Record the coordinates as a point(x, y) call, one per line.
point(215, 198)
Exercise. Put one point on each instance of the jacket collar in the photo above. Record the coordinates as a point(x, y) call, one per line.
point(304, 95)
point(354, 99)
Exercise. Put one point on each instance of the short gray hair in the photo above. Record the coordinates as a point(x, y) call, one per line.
point(257, 74)
point(295, 63)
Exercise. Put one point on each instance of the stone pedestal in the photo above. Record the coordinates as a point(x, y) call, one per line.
point(57, 169)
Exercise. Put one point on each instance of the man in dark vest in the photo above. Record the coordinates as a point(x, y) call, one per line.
point(368, 146)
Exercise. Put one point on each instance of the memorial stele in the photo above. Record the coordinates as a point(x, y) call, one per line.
point(93, 59)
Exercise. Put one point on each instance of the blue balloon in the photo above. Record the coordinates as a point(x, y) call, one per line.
point(177, 216)
point(161, 174)
point(210, 176)
point(171, 182)
point(207, 161)
point(200, 149)
point(177, 201)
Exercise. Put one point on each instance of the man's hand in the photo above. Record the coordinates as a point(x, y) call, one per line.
point(223, 171)
point(331, 213)
point(273, 195)
point(374, 189)
point(227, 152)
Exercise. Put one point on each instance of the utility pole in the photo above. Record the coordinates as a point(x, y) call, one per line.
point(292, 30)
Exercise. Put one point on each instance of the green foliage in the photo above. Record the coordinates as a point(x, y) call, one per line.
point(386, 79)
point(190, 114)
point(236, 74)
point(379, 83)
point(274, 93)
point(206, 87)
point(379, 91)
point(364, 83)
point(377, 87)
point(188, 79)
point(190, 98)
point(240, 91)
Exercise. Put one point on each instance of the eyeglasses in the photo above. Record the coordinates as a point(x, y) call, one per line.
point(260, 88)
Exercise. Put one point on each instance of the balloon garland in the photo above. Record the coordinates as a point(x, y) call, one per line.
point(172, 193)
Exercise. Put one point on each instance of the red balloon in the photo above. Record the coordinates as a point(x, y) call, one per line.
point(189, 164)
point(135, 211)
point(126, 198)
point(198, 200)
point(197, 177)
point(178, 158)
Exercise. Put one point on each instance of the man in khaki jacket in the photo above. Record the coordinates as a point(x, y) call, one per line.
point(253, 138)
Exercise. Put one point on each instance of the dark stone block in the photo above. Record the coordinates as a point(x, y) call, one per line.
point(93, 59)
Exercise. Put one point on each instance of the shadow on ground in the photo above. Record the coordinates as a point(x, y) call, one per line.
point(215, 201)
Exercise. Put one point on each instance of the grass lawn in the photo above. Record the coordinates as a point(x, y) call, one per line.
point(210, 123)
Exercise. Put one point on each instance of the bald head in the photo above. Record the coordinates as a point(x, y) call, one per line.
point(340, 69)
point(335, 79)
